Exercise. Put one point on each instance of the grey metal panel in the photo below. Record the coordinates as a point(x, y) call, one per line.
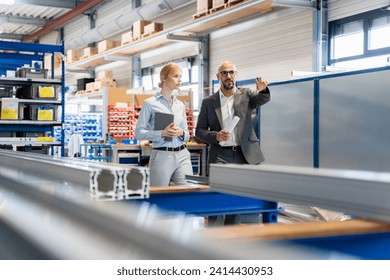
point(355, 122)
point(287, 125)
point(341, 8)
point(362, 193)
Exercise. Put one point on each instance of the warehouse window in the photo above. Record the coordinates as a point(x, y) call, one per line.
point(361, 41)
point(151, 75)
point(147, 78)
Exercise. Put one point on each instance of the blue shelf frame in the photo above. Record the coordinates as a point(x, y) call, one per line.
point(33, 52)
point(98, 149)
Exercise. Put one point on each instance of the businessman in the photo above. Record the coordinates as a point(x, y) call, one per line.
point(241, 145)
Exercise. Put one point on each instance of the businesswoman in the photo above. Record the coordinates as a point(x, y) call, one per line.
point(170, 160)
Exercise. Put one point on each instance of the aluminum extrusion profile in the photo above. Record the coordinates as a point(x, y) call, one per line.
point(73, 229)
point(137, 183)
point(44, 167)
point(105, 181)
point(66, 228)
point(361, 193)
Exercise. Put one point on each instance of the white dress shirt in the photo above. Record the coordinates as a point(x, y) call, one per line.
point(227, 110)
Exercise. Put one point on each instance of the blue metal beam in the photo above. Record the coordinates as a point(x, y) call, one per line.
point(26, 128)
point(30, 47)
point(9, 66)
point(4, 57)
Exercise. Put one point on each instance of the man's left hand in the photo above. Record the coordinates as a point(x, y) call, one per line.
point(261, 84)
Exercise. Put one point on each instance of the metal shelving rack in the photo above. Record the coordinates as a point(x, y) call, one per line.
point(14, 55)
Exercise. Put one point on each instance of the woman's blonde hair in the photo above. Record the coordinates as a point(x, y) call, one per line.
point(166, 70)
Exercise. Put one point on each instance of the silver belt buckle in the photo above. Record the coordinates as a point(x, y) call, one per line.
point(234, 148)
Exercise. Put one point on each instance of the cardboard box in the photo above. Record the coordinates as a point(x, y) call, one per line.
point(107, 74)
point(81, 83)
point(127, 37)
point(9, 109)
point(219, 3)
point(204, 5)
point(104, 83)
point(57, 61)
point(153, 28)
point(72, 56)
point(106, 45)
point(88, 52)
point(138, 27)
point(90, 86)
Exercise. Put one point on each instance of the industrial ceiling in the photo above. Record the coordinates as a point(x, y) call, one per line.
point(28, 20)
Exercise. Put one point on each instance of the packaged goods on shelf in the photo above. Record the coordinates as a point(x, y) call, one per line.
point(120, 120)
point(127, 38)
point(35, 73)
point(43, 91)
point(107, 74)
point(98, 85)
point(89, 125)
point(10, 73)
point(81, 83)
point(57, 61)
point(106, 45)
point(88, 52)
point(203, 5)
point(5, 91)
point(219, 3)
point(152, 28)
point(45, 113)
point(37, 112)
point(90, 86)
point(138, 27)
point(72, 56)
point(9, 108)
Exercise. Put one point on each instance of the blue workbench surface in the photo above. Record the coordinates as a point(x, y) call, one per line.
point(211, 203)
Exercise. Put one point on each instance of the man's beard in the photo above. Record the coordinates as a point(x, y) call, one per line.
point(227, 86)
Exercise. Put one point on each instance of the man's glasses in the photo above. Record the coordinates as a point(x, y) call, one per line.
point(231, 73)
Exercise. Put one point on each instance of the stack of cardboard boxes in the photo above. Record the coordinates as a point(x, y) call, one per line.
point(104, 79)
point(102, 46)
point(106, 45)
point(141, 29)
point(206, 7)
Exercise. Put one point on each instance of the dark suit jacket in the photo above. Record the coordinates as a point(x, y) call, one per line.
point(210, 122)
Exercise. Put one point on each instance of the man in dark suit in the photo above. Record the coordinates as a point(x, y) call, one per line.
point(217, 112)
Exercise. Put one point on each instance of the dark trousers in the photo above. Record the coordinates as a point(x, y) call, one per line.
point(232, 155)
